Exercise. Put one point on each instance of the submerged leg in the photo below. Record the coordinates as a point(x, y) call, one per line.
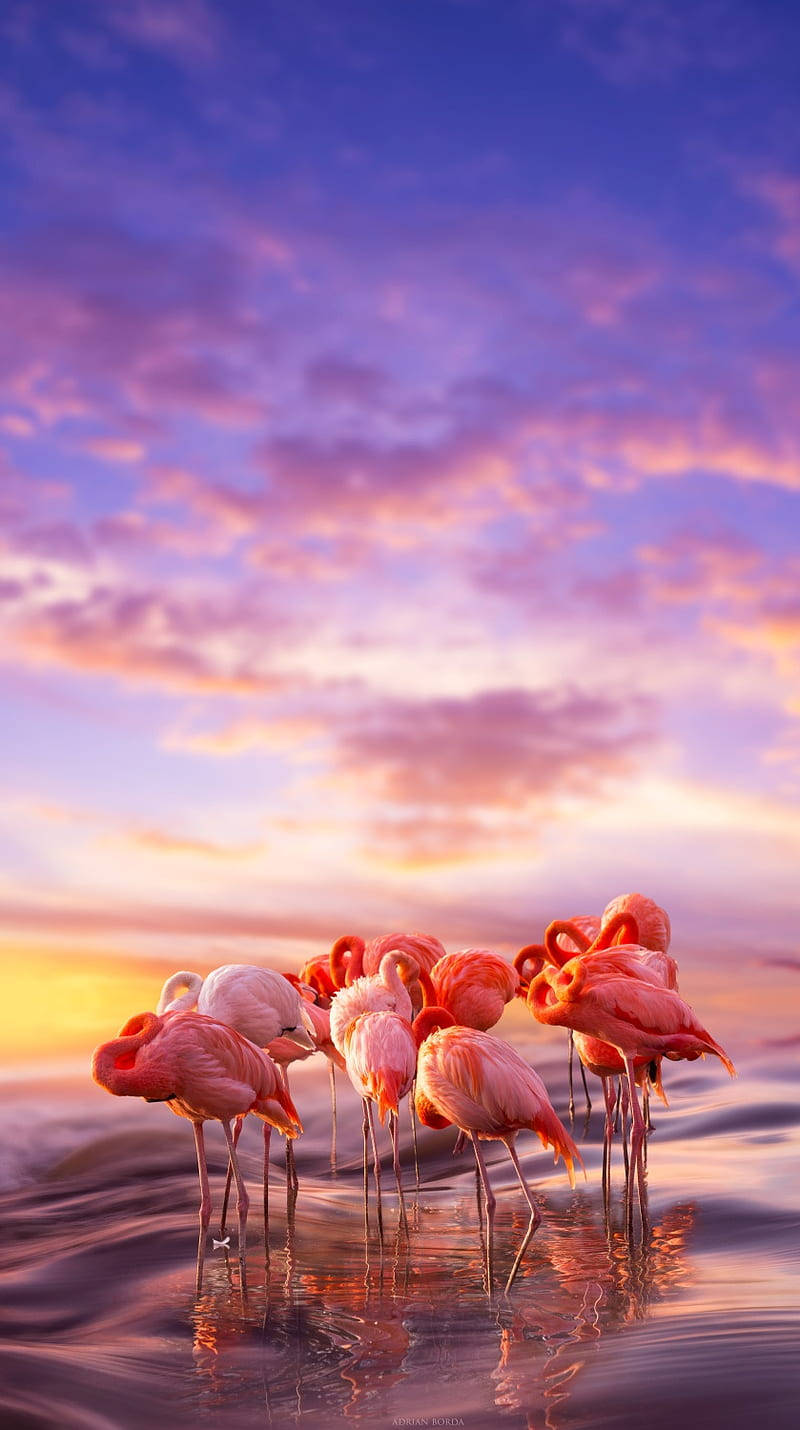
point(491, 1203)
point(376, 1163)
point(267, 1137)
point(536, 1215)
point(608, 1132)
point(205, 1203)
point(637, 1138)
point(397, 1174)
point(242, 1203)
point(365, 1134)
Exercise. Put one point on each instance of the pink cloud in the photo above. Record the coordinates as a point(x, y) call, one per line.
point(199, 641)
point(500, 749)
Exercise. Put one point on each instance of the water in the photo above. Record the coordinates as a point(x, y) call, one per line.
point(693, 1320)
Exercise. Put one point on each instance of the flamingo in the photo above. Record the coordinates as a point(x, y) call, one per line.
point(381, 1060)
point(618, 998)
point(352, 958)
point(475, 986)
point(204, 1070)
point(258, 1002)
point(652, 922)
point(619, 925)
point(479, 1083)
point(315, 973)
point(381, 992)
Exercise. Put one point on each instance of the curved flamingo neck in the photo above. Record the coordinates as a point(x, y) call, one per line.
point(113, 1063)
point(553, 950)
point(170, 1002)
point(429, 1021)
point(428, 991)
point(531, 953)
point(621, 928)
point(346, 960)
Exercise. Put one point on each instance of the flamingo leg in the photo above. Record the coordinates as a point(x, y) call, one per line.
point(585, 1089)
point(242, 1203)
point(365, 1133)
point(536, 1215)
point(608, 1132)
point(571, 1060)
point(205, 1203)
point(637, 1138)
point(332, 1074)
point(491, 1203)
point(292, 1180)
point(412, 1110)
point(267, 1136)
point(237, 1132)
point(376, 1164)
point(397, 1173)
point(646, 1100)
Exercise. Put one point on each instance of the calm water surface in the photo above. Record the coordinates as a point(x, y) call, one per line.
point(693, 1321)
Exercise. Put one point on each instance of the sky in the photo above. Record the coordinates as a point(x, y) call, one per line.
point(399, 472)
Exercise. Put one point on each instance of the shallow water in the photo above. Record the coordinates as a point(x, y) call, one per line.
point(693, 1318)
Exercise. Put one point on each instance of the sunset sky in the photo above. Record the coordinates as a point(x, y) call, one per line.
point(399, 463)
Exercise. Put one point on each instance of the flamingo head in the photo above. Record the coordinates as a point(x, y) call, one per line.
point(129, 1067)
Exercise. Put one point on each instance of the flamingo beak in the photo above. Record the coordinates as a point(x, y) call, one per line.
point(302, 1034)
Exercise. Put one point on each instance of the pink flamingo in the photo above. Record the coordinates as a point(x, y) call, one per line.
point(652, 922)
point(381, 992)
point(352, 958)
point(479, 1083)
point(204, 1070)
point(381, 1060)
point(475, 986)
point(616, 997)
point(258, 1002)
point(619, 926)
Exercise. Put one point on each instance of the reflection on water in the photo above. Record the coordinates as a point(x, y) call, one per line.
point(342, 1337)
point(99, 1312)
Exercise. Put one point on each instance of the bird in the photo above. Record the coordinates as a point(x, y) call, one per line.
point(381, 1061)
point(258, 1002)
point(474, 985)
point(204, 1070)
point(351, 957)
point(315, 973)
point(381, 992)
point(614, 996)
point(480, 1084)
point(652, 921)
point(618, 926)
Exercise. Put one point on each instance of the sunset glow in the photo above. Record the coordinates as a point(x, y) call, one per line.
point(400, 476)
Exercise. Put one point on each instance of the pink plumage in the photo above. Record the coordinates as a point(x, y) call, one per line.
point(485, 1088)
point(474, 985)
point(382, 992)
point(611, 996)
point(201, 1067)
point(381, 1059)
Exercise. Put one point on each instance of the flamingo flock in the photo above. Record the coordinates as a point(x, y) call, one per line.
point(405, 1019)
